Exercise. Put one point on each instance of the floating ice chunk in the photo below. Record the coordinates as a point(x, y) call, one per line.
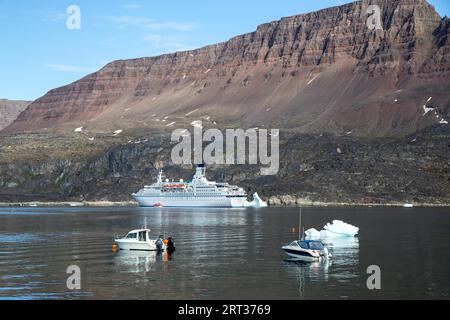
point(117, 132)
point(256, 203)
point(341, 228)
point(80, 129)
point(335, 229)
point(312, 234)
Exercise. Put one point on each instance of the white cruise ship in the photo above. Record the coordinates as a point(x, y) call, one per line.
point(196, 193)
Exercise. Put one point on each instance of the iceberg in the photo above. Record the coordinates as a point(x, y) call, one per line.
point(335, 229)
point(256, 203)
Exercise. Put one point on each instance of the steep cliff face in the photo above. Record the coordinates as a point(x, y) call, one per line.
point(324, 71)
point(10, 110)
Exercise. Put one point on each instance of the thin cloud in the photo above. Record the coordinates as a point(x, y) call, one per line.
point(70, 69)
point(146, 23)
point(168, 43)
point(132, 6)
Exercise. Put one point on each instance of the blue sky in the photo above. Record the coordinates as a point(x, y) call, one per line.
point(38, 52)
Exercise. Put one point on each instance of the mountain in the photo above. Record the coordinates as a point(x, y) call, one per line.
point(10, 110)
point(324, 71)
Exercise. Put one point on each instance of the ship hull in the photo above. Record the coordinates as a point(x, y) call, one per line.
point(174, 202)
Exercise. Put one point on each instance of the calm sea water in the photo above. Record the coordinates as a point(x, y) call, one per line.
point(222, 254)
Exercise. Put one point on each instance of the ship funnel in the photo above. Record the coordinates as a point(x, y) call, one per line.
point(200, 171)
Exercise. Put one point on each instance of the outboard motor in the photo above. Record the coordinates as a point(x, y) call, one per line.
point(171, 245)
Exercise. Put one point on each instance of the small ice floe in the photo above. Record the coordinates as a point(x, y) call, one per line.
point(256, 203)
point(443, 121)
point(171, 124)
point(80, 129)
point(117, 132)
point(427, 110)
point(336, 229)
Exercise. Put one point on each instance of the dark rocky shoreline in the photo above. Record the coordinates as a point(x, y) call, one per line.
point(313, 169)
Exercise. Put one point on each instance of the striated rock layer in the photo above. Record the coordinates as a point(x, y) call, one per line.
point(324, 71)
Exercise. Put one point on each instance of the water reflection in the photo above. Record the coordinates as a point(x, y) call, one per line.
point(141, 261)
point(341, 267)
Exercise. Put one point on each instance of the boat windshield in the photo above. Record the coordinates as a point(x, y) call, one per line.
point(131, 236)
point(316, 245)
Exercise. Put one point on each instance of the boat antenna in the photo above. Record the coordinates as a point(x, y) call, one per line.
point(300, 236)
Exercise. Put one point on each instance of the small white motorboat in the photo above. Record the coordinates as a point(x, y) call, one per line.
point(307, 250)
point(139, 240)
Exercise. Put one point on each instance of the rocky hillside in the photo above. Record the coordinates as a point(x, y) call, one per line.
point(324, 71)
point(10, 110)
point(313, 168)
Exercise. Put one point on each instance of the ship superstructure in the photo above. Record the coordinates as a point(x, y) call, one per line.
point(196, 193)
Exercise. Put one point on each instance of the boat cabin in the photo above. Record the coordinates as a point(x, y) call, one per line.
point(138, 235)
point(308, 245)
